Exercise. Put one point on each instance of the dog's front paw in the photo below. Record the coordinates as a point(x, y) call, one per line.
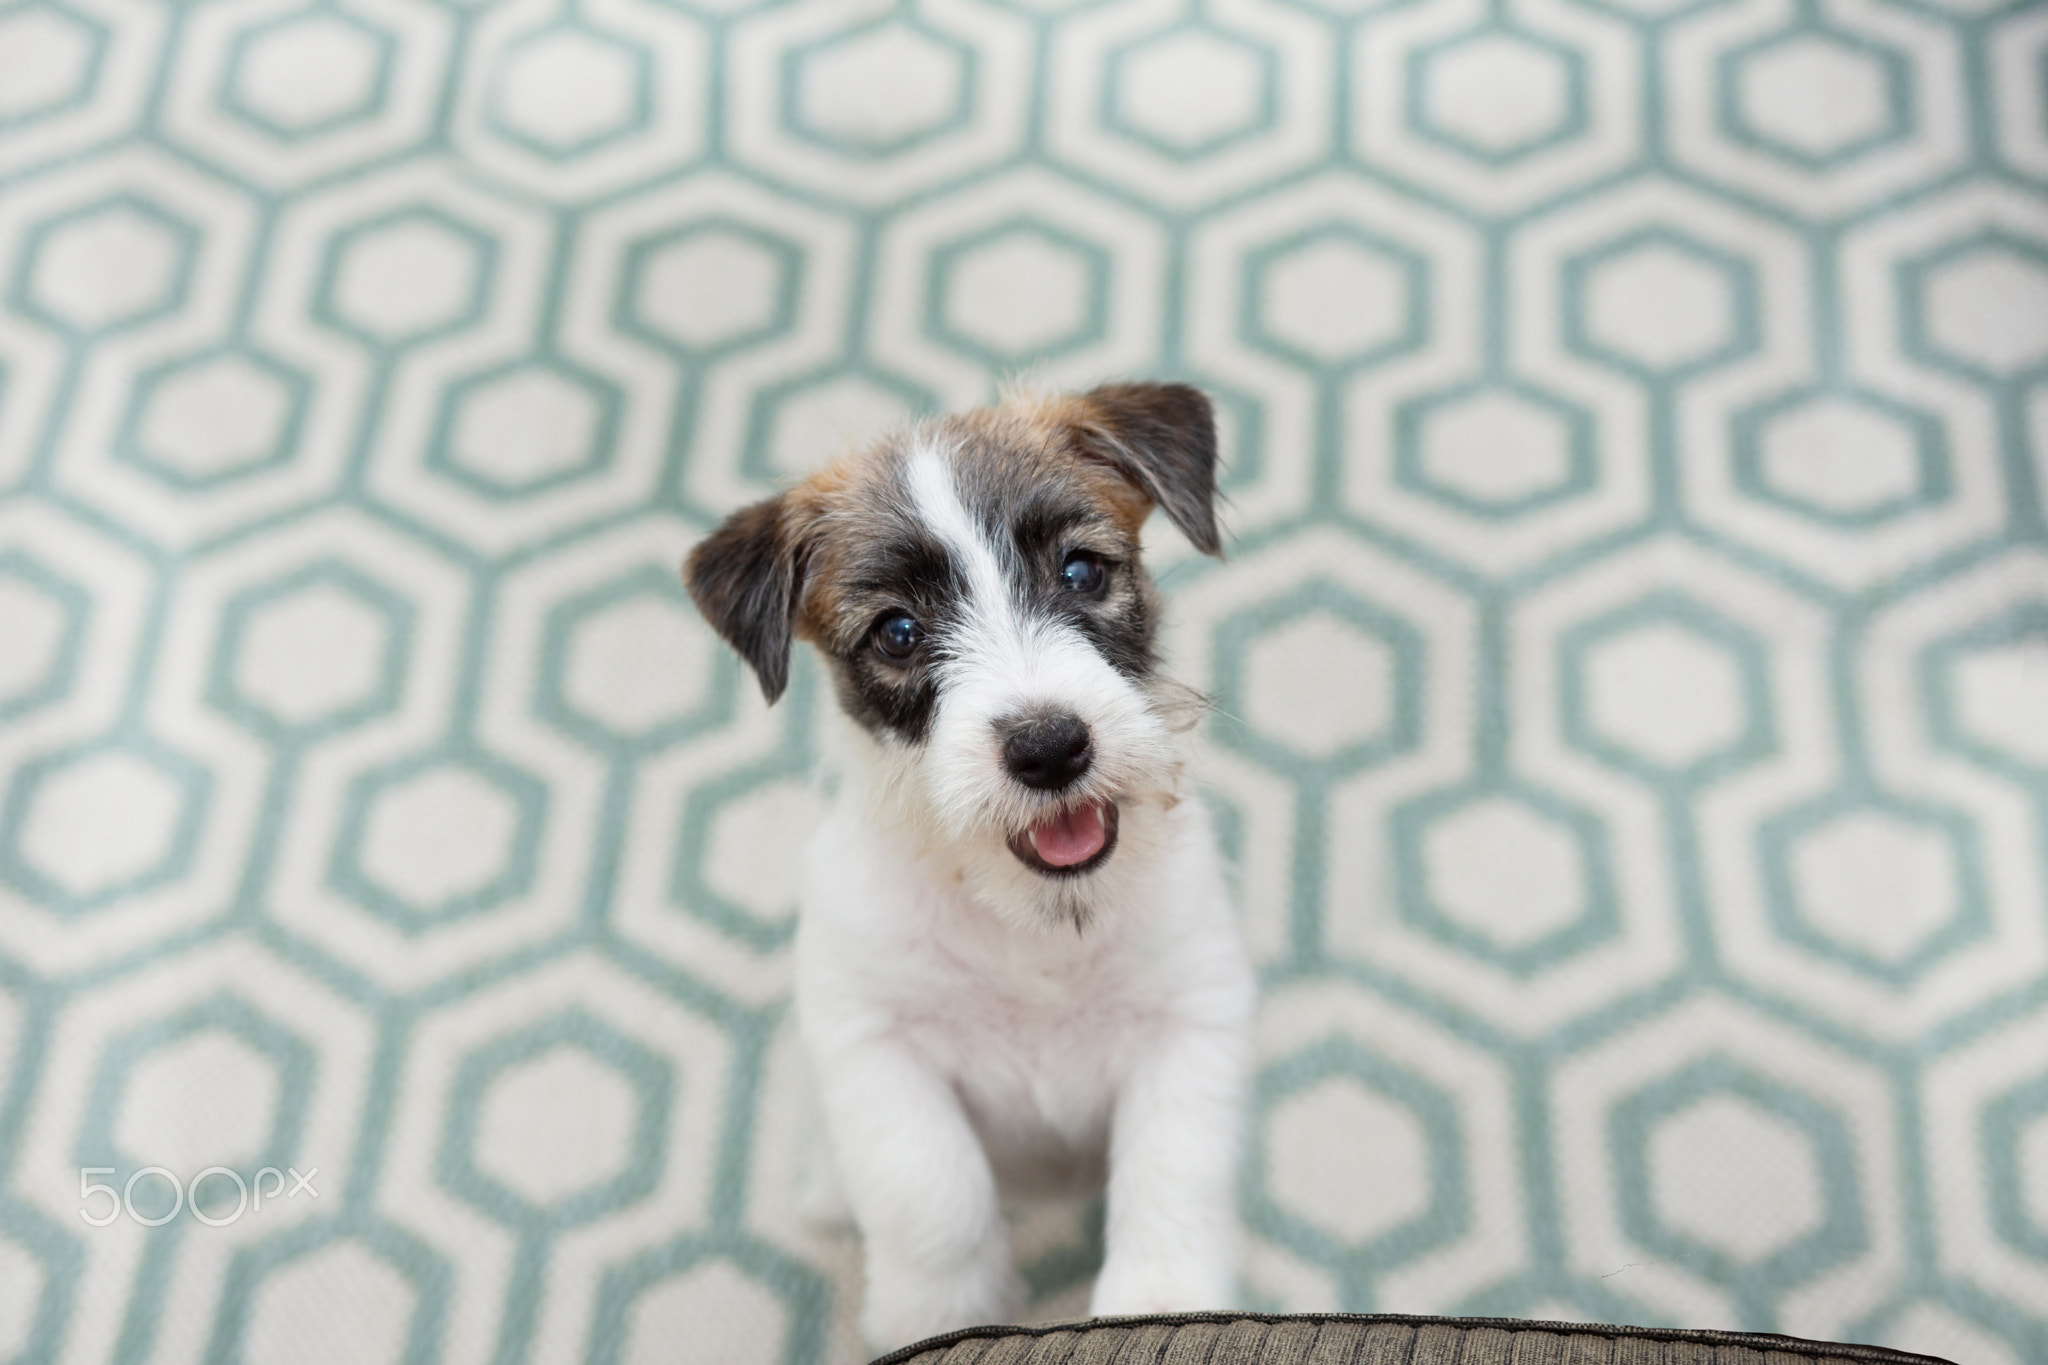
point(906, 1303)
point(1127, 1288)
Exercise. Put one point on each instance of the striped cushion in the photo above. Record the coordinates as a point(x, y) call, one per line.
point(1372, 1339)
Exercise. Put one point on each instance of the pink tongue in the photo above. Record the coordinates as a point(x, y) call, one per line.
point(1072, 838)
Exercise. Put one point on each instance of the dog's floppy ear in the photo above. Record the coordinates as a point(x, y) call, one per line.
point(745, 577)
point(1162, 437)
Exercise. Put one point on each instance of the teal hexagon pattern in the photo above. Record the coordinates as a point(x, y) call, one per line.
point(1630, 667)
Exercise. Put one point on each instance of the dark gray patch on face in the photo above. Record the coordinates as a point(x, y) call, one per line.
point(1036, 508)
point(884, 561)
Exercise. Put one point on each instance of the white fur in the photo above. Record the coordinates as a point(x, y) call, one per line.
point(967, 1016)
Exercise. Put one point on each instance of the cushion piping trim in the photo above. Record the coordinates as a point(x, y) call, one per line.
point(1760, 1341)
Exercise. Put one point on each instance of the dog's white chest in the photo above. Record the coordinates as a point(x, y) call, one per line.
point(1037, 1043)
point(1036, 1028)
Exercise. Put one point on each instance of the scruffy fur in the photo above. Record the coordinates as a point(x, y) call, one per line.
point(970, 1014)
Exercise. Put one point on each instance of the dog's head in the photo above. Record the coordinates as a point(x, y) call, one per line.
point(975, 589)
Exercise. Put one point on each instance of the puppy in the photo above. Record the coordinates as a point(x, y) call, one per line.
point(1015, 950)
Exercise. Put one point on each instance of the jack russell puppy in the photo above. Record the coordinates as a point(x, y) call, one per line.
point(1016, 949)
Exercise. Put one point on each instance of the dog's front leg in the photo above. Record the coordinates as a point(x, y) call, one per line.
point(1172, 1228)
point(936, 1250)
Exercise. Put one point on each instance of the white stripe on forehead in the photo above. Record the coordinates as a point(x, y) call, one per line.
point(997, 658)
point(936, 495)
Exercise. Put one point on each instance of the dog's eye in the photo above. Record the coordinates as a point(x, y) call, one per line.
point(898, 636)
point(1083, 572)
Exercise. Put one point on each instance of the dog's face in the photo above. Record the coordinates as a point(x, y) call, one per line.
point(975, 589)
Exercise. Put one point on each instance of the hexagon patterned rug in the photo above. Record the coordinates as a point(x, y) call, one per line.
point(1632, 663)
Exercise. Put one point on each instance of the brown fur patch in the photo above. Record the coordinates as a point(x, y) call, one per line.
point(1156, 441)
point(1053, 421)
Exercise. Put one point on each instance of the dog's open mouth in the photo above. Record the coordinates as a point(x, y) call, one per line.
point(1070, 843)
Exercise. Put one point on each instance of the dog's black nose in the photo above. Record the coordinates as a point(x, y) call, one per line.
point(1048, 751)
